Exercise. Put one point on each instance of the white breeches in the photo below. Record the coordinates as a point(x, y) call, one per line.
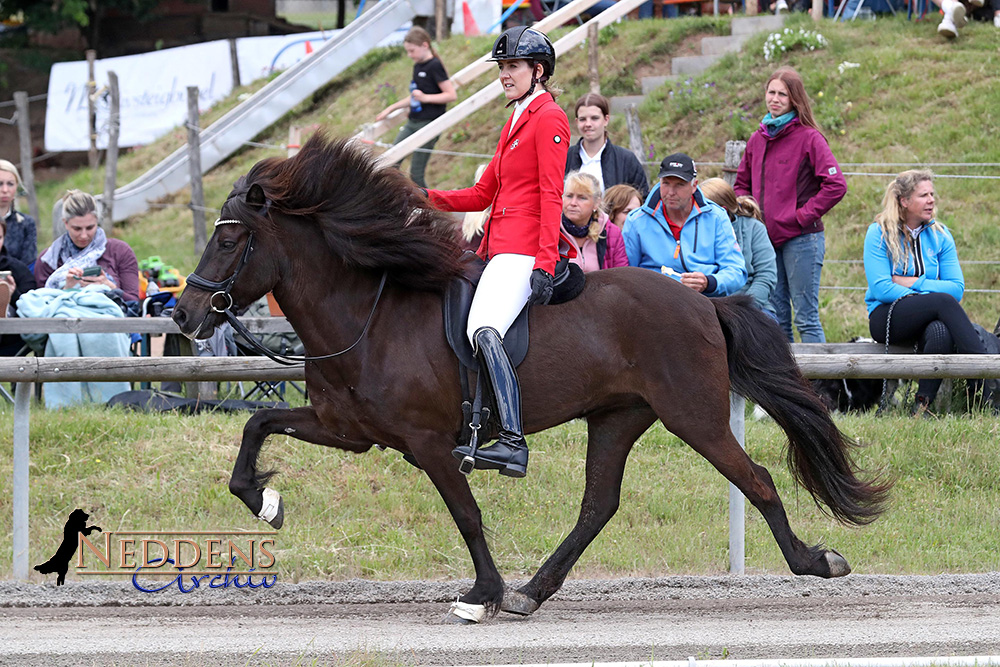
point(503, 290)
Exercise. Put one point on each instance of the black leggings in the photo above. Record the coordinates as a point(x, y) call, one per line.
point(936, 323)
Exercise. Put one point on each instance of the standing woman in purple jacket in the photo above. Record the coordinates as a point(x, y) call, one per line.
point(789, 169)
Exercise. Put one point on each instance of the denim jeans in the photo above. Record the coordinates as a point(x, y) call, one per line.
point(800, 262)
point(418, 161)
point(646, 11)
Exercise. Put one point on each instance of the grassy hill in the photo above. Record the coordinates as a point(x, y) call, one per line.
point(913, 99)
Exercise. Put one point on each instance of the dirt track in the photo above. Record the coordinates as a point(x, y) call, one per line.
point(625, 620)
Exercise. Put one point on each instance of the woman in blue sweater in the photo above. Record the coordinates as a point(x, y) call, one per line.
point(914, 280)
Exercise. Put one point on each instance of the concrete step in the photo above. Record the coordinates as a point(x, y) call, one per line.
point(651, 83)
point(712, 46)
point(748, 25)
point(682, 65)
point(619, 104)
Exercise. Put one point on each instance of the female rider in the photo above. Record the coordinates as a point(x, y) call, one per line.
point(522, 186)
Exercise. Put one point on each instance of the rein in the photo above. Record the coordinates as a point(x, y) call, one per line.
point(223, 287)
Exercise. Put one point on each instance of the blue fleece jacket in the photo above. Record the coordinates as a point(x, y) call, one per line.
point(933, 259)
point(707, 244)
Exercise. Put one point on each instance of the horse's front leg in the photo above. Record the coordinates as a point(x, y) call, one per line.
point(250, 484)
point(484, 598)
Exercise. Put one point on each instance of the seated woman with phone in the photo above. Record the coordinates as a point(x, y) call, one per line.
point(84, 255)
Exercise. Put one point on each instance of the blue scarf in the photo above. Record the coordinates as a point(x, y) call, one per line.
point(772, 126)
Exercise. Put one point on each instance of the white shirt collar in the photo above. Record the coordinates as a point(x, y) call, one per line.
point(592, 165)
point(519, 107)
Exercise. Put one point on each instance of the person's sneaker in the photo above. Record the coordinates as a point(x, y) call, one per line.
point(947, 28)
point(958, 14)
point(780, 6)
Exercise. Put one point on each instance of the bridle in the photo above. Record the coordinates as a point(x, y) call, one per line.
point(223, 287)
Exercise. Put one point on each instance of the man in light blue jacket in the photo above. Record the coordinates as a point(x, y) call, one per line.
point(683, 235)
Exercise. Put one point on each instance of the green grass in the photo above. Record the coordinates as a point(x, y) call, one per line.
point(375, 516)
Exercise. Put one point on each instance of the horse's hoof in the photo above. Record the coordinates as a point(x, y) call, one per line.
point(279, 519)
point(273, 508)
point(838, 565)
point(465, 613)
point(451, 619)
point(516, 602)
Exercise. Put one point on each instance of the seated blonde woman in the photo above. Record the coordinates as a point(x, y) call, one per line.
point(599, 244)
point(83, 246)
point(745, 214)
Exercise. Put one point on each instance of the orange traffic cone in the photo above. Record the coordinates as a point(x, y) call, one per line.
point(471, 29)
point(309, 48)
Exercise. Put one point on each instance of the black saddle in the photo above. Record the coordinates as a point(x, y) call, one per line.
point(569, 282)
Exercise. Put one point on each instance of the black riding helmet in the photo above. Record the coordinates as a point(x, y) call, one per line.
point(523, 43)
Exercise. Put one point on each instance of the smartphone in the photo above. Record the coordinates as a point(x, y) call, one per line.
point(4, 274)
point(91, 271)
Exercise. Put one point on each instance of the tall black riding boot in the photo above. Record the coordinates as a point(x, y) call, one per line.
point(509, 454)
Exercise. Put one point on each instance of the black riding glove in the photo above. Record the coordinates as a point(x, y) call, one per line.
point(541, 287)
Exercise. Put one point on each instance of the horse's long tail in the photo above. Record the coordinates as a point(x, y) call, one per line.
point(763, 370)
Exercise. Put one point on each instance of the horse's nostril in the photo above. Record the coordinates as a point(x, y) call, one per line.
point(179, 316)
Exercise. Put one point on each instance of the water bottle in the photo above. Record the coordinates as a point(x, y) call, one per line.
point(415, 106)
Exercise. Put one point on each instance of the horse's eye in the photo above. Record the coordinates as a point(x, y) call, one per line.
point(227, 244)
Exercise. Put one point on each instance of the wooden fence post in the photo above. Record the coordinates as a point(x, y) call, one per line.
point(234, 62)
point(194, 159)
point(817, 10)
point(92, 109)
point(111, 157)
point(734, 153)
point(595, 75)
point(294, 140)
point(24, 137)
point(634, 133)
point(442, 29)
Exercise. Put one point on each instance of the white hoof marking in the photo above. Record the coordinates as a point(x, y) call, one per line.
point(468, 612)
point(270, 507)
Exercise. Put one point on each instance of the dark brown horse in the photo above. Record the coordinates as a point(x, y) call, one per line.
point(324, 229)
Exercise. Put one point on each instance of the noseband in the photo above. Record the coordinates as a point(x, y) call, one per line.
point(223, 287)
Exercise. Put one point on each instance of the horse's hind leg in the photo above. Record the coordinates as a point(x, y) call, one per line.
point(610, 436)
point(707, 431)
point(247, 483)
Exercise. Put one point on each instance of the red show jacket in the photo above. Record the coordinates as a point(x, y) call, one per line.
point(522, 186)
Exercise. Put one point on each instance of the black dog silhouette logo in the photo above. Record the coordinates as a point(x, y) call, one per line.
point(77, 523)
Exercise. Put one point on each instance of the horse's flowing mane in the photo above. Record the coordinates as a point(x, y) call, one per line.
point(371, 217)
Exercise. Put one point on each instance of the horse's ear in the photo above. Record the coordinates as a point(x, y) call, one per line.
point(255, 196)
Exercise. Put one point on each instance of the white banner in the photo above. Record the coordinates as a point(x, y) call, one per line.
point(153, 91)
point(153, 86)
point(262, 56)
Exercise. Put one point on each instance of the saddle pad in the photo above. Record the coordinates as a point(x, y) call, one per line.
point(458, 301)
point(569, 282)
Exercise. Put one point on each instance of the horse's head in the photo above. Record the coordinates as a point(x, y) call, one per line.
point(233, 271)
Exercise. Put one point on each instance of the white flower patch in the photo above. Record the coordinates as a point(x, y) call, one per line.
point(788, 40)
